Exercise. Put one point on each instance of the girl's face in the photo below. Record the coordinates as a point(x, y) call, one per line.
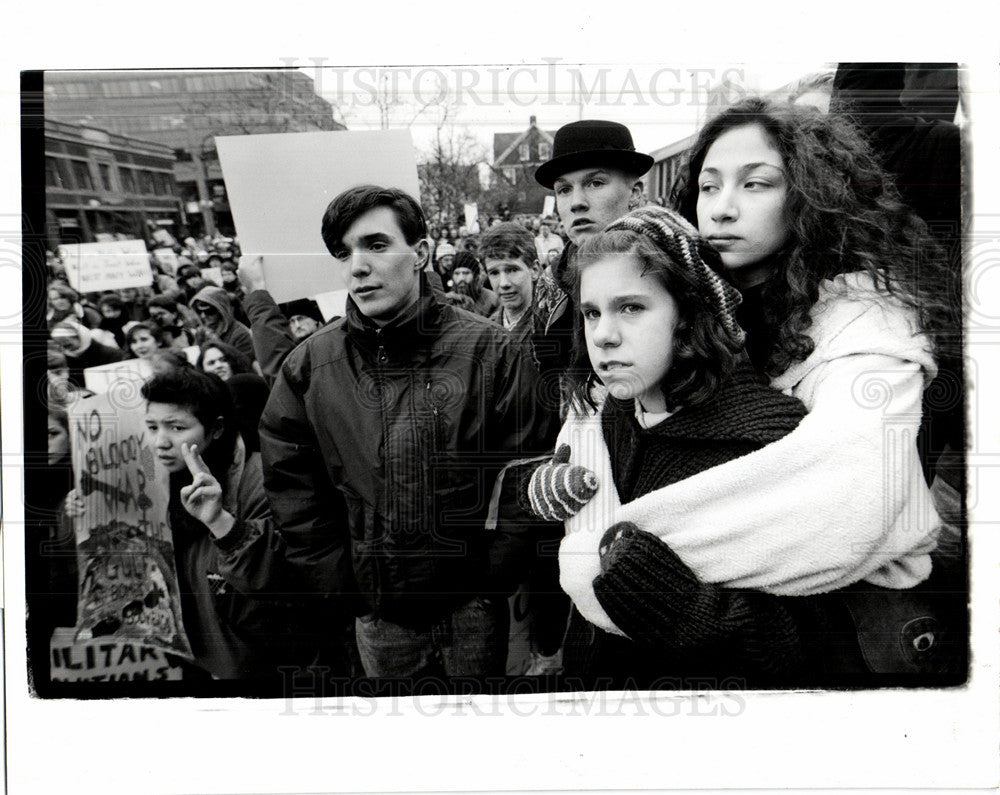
point(629, 323)
point(742, 193)
point(215, 362)
point(58, 301)
point(143, 344)
point(171, 425)
point(58, 441)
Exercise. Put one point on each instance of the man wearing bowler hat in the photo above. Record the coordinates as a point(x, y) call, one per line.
point(596, 175)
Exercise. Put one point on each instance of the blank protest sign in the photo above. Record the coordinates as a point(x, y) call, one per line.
point(279, 186)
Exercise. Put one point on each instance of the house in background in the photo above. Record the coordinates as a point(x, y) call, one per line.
point(515, 158)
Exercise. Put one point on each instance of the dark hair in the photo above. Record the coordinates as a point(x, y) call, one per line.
point(355, 202)
point(112, 300)
point(237, 360)
point(164, 302)
point(508, 241)
point(845, 215)
point(206, 396)
point(703, 352)
point(55, 359)
point(154, 332)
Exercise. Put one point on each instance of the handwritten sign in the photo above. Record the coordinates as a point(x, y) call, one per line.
point(128, 587)
point(103, 660)
point(109, 265)
point(121, 379)
point(279, 186)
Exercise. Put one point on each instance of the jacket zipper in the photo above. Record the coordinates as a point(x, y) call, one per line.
point(381, 358)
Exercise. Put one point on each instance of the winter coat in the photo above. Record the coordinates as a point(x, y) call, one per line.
point(233, 332)
point(380, 449)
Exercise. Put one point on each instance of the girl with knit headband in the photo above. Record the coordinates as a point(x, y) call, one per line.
point(686, 553)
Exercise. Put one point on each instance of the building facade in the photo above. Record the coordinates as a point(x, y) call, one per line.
point(515, 158)
point(99, 185)
point(185, 110)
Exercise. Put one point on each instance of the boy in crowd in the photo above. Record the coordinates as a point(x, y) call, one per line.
point(381, 442)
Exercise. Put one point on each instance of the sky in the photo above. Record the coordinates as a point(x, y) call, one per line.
point(660, 102)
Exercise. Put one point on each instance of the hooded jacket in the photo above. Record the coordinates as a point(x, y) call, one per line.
point(381, 446)
point(233, 332)
point(90, 353)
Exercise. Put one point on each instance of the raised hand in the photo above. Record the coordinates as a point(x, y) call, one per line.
point(558, 490)
point(250, 272)
point(203, 498)
point(74, 505)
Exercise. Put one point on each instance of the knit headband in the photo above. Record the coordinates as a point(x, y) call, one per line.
point(684, 245)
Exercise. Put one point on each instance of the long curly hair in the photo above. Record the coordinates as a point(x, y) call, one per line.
point(845, 215)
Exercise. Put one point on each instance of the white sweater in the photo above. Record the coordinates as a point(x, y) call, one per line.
point(840, 499)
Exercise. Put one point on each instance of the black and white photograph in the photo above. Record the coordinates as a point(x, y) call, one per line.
point(533, 389)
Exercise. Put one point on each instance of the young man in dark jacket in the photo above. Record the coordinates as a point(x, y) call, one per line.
point(381, 442)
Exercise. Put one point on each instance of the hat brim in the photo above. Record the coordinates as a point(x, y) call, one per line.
point(635, 163)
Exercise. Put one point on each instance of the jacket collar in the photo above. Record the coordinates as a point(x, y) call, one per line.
point(414, 325)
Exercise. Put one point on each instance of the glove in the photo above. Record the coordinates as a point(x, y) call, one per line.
point(558, 490)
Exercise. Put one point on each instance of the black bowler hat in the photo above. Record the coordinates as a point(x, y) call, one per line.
point(582, 144)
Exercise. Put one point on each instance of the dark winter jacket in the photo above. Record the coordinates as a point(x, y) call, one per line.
point(232, 332)
point(381, 447)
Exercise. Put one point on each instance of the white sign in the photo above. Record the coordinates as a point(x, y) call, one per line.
point(280, 185)
point(109, 265)
point(167, 259)
point(472, 218)
point(548, 206)
point(108, 660)
point(121, 379)
point(332, 304)
point(214, 275)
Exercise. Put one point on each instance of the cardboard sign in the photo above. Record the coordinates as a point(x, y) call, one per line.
point(120, 379)
point(102, 660)
point(280, 185)
point(167, 259)
point(332, 304)
point(128, 588)
point(214, 275)
point(109, 265)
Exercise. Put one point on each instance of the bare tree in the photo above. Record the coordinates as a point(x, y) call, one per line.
point(449, 175)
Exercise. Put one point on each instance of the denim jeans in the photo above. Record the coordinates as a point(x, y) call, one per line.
point(471, 641)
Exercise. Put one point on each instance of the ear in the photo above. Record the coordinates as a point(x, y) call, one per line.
point(215, 432)
point(635, 196)
point(423, 252)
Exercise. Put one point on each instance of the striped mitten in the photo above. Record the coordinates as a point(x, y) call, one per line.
point(558, 490)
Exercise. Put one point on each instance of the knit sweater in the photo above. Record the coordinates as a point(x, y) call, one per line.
point(812, 512)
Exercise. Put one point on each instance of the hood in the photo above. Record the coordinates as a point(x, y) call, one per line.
point(218, 299)
point(82, 332)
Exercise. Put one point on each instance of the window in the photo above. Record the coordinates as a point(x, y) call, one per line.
point(510, 173)
point(53, 179)
point(524, 152)
point(544, 150)
point(81, 175)
point(105, 172)
point(128, 180)
point(146, 182)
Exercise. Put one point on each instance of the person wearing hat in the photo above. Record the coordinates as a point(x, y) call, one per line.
point(81, 350)
point(215, 311)
point(596, 175)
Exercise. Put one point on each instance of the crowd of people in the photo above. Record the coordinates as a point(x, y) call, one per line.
point(647, 417)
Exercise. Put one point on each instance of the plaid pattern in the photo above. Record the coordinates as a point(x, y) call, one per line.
point(685, 246)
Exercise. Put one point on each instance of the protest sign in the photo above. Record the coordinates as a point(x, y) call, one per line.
point(121, 379)
point(109, 265)
point(332, 304)
point(167, 259)
point(128, 587)
point(471, 212)
point(549, 206)
point(280, 185)
point(103, 660)
point(214, 275)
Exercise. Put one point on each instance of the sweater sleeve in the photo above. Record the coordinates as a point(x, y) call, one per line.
point(657, 601)
point(272, 339)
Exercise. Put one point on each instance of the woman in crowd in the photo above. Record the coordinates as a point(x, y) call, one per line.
point(223, 360)
point(143, 340)
point(64, 304)
point(838, 313)
point(113, 317)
